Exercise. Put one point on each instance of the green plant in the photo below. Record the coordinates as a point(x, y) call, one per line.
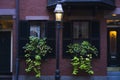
point(35, 49)
point(82, 56)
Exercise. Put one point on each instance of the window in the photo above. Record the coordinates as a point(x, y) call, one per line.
point(80, 30)
point(37, 29)
point(77, 31)
point(113, 42)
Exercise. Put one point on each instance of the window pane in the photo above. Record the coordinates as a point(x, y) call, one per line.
point(42, 29)
point(80, 30)
point(113, 41)
point(37, 29)
point(84, 30)
point(76, 30)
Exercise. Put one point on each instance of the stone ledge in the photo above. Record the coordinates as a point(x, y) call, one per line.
point(23, 77)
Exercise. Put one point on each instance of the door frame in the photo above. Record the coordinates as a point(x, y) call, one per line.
point(109, 60)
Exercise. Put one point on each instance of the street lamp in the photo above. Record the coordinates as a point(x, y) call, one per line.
point(58, 16)
point(58, 12)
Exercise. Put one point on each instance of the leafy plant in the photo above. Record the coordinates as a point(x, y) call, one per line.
point(82, 56)
point(35, 49)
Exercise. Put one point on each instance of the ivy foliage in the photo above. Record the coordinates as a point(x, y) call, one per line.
point(35, 50)
point(82, 56)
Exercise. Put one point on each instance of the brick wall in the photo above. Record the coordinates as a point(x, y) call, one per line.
point(99, 65)
point(117, 3)
point(33, 8)
point(38, 8)
point(7, 4)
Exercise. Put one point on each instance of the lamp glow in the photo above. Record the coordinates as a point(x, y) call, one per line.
point(58, 16)
point(58, 12)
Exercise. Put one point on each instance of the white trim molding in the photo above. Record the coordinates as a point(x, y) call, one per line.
point(7, 11)
point(37, 18)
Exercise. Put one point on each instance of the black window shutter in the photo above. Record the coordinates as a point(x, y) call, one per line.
point(95, 36)
point(50, 32)
point(67, 38)
point(23, 36)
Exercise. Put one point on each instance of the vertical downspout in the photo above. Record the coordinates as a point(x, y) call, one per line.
point(16, 38)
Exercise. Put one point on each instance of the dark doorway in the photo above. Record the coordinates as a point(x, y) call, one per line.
point(113, 37)
point(5, 51)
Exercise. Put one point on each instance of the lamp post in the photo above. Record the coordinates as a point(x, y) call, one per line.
point(58, 16)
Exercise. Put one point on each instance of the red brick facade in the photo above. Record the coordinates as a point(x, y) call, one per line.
point(33, 8)
point(39, 8)
point(117, 3)
point(6, 4)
